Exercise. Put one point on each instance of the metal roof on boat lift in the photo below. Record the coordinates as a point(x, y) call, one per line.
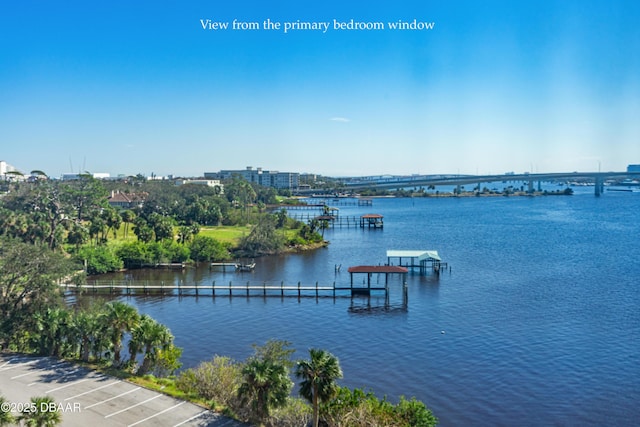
point(421, 255)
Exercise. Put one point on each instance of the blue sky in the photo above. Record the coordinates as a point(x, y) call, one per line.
point(496, 86)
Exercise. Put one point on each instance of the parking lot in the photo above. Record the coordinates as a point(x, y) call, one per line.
point(88, 398)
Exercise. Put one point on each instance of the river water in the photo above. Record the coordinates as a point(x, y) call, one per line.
point(537, 322)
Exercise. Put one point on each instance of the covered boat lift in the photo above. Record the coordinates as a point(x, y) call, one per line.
point(370, 270)
point(416, 259)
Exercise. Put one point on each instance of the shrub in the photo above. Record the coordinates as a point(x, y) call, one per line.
point(99, 259)
point(217, 380)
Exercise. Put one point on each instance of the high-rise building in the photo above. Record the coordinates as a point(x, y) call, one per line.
point(275, 179)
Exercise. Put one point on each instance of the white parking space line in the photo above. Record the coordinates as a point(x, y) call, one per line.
point(112, 398)
point(37, 371)
point(17, 365)
point(192, 418)
point(59, 376)
point(67, 385)
point(28, 373)
point(95, 389)
point(11, 359)
point(133, 406)
point(155, 415)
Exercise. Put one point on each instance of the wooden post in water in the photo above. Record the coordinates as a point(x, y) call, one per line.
point(282, 289)
point(247, 288)
point(298, 290)
point(229, 288)
point(405, 294)
point(213, 289)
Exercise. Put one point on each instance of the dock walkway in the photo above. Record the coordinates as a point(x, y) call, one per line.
point(245, 289)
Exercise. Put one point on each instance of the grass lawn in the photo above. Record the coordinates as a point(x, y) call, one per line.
point(225, 234)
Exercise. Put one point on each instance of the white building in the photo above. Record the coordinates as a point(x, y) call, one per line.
point(5, 169)
point(214, 183)
point(77, 176)
point(275, 179)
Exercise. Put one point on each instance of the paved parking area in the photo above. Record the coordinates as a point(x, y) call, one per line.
point(89, 398)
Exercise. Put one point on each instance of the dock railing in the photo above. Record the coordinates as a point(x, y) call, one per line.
point(248, 289)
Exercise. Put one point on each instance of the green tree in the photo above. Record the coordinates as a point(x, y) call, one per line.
point(128, 217)
point(38, 414)
point(205, 248)
point(240, 193)
point(52, 327)
point(78, 235)
point(142, 230)
point(120, 318)
point(265, 385)
point(134, 254)
point(150, 336)
point(99, 259)
point(281, 218)
point(28, 281)
point(6, 418)
point(97, 227)
point(166, 360)
point(112, 220)
point(263, 238)
point(319, 375)
point(88, 329)
point(86, 196)
point(162, 226)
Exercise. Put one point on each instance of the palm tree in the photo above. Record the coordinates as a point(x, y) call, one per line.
point(265, 385)
point(318, 376)
point(150, 336)
point(121, 318)
point(34, 416)
point(52, 326)
point(128, 217)
point(87, 330)
point(6, 418)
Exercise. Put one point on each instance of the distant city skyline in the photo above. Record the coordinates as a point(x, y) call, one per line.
point(492, 87)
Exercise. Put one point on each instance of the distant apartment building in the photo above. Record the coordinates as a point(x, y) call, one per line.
point(633, 168)
point(275, 179)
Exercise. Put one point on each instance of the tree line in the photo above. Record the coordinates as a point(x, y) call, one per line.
point(75, 217)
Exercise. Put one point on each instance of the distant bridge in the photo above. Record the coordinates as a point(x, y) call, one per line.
point(387, 182)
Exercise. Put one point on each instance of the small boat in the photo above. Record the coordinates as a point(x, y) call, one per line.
point(245, 267)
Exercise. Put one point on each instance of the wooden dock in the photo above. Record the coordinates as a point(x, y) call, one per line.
point(247, 289)
point(335, 221)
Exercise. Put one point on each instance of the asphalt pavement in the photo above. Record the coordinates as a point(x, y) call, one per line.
point(88, 398)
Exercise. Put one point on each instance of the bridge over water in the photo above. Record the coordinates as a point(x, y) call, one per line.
point(388, 182)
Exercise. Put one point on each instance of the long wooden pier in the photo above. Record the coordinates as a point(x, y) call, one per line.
point(247, 289)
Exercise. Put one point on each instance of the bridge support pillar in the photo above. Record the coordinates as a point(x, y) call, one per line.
point(599, 186)
point(531, 187)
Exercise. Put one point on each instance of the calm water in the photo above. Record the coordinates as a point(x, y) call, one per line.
point(541, 309)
